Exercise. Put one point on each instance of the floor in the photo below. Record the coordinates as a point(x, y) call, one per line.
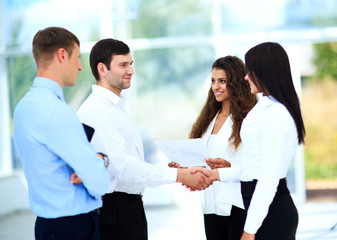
point(180, 218)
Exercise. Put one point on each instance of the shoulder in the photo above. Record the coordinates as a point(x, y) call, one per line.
point(42, 102)
point(277, 116)
point(91, 105)
point(96, 110)
point(62, 112)
point(276, 110)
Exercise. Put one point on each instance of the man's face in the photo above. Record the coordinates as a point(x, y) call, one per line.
point(72, 66)
point(120, 73)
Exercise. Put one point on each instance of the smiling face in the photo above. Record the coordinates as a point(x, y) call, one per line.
point(253, 88)
point(219, 85)
point(118, 76)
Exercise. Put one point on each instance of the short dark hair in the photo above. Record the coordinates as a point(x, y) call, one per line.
point(103, 51)
point(49, 40)
point(268, 67)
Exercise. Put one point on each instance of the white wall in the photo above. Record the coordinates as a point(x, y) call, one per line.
point(14, 194)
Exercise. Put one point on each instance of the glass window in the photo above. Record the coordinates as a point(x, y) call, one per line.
point(171, 78)
point(170, 87)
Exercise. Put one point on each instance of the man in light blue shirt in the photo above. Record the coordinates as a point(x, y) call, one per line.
point(66, 178)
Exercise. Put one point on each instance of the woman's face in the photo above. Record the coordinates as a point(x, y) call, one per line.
point(253, 88)
point(219, 85)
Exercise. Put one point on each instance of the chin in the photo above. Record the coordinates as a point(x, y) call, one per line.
point(126, 86)
point(219, 99)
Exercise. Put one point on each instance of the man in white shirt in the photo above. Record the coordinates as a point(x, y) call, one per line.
point(122, 215)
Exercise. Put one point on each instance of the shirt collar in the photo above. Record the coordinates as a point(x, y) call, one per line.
point(267, 100)
point(114, 98)
point(49, 84)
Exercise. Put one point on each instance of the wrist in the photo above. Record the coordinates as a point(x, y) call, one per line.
point(105, 159)
point(216, 175)
point(180, 175)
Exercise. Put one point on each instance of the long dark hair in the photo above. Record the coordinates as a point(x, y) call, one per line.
point(268, 67)
point(241, 100)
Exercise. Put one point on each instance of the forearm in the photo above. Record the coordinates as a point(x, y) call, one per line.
point(66, 138)
point(229, 174)
point(133, 170)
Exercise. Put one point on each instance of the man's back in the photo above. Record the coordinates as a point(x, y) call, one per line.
point(51, 143)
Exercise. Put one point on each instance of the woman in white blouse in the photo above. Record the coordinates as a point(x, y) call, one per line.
point(229, 100)
point(270, 135)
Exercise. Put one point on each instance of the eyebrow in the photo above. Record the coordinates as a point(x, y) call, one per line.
point(122, 63)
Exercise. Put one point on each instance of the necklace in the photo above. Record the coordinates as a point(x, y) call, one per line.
point(224, 115)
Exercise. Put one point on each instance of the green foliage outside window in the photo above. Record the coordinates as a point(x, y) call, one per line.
point(325, 61)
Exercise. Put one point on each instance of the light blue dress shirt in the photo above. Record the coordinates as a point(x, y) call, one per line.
point(52, 145)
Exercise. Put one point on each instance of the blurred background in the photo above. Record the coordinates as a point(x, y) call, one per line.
point(173, 44)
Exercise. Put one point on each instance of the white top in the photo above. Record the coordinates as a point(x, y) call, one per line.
point(219, 197)
point(269, 140)
point(117, 136)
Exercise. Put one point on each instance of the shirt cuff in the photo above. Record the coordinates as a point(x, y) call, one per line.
point(228, 175)
point(170, 175)
point(250, 227)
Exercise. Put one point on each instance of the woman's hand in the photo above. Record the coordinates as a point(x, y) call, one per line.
point(214, 163)
point(173, 165)
point(247, 236)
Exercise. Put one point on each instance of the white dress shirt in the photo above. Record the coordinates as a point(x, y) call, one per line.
point(219, 197)
point(118, 136)
point(269, 141)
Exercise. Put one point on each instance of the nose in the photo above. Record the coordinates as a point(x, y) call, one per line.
point(130, 70)
point(80, 67)
point(246, 77)
point(216, 85)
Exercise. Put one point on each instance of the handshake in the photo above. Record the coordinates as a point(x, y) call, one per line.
point(200, 178)
point(197, 178)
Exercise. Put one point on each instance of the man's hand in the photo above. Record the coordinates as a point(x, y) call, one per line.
point(213, 175)
point(214, 163)
point(247, 236)
point(74, 179)
point(195, 181)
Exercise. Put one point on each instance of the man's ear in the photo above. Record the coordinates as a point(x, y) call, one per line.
point(101, 68)
point(61, 54)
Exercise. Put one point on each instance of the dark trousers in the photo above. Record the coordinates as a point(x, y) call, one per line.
point(282, 218)
point(79, 227)
point(122, 217)
point(225, 227)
